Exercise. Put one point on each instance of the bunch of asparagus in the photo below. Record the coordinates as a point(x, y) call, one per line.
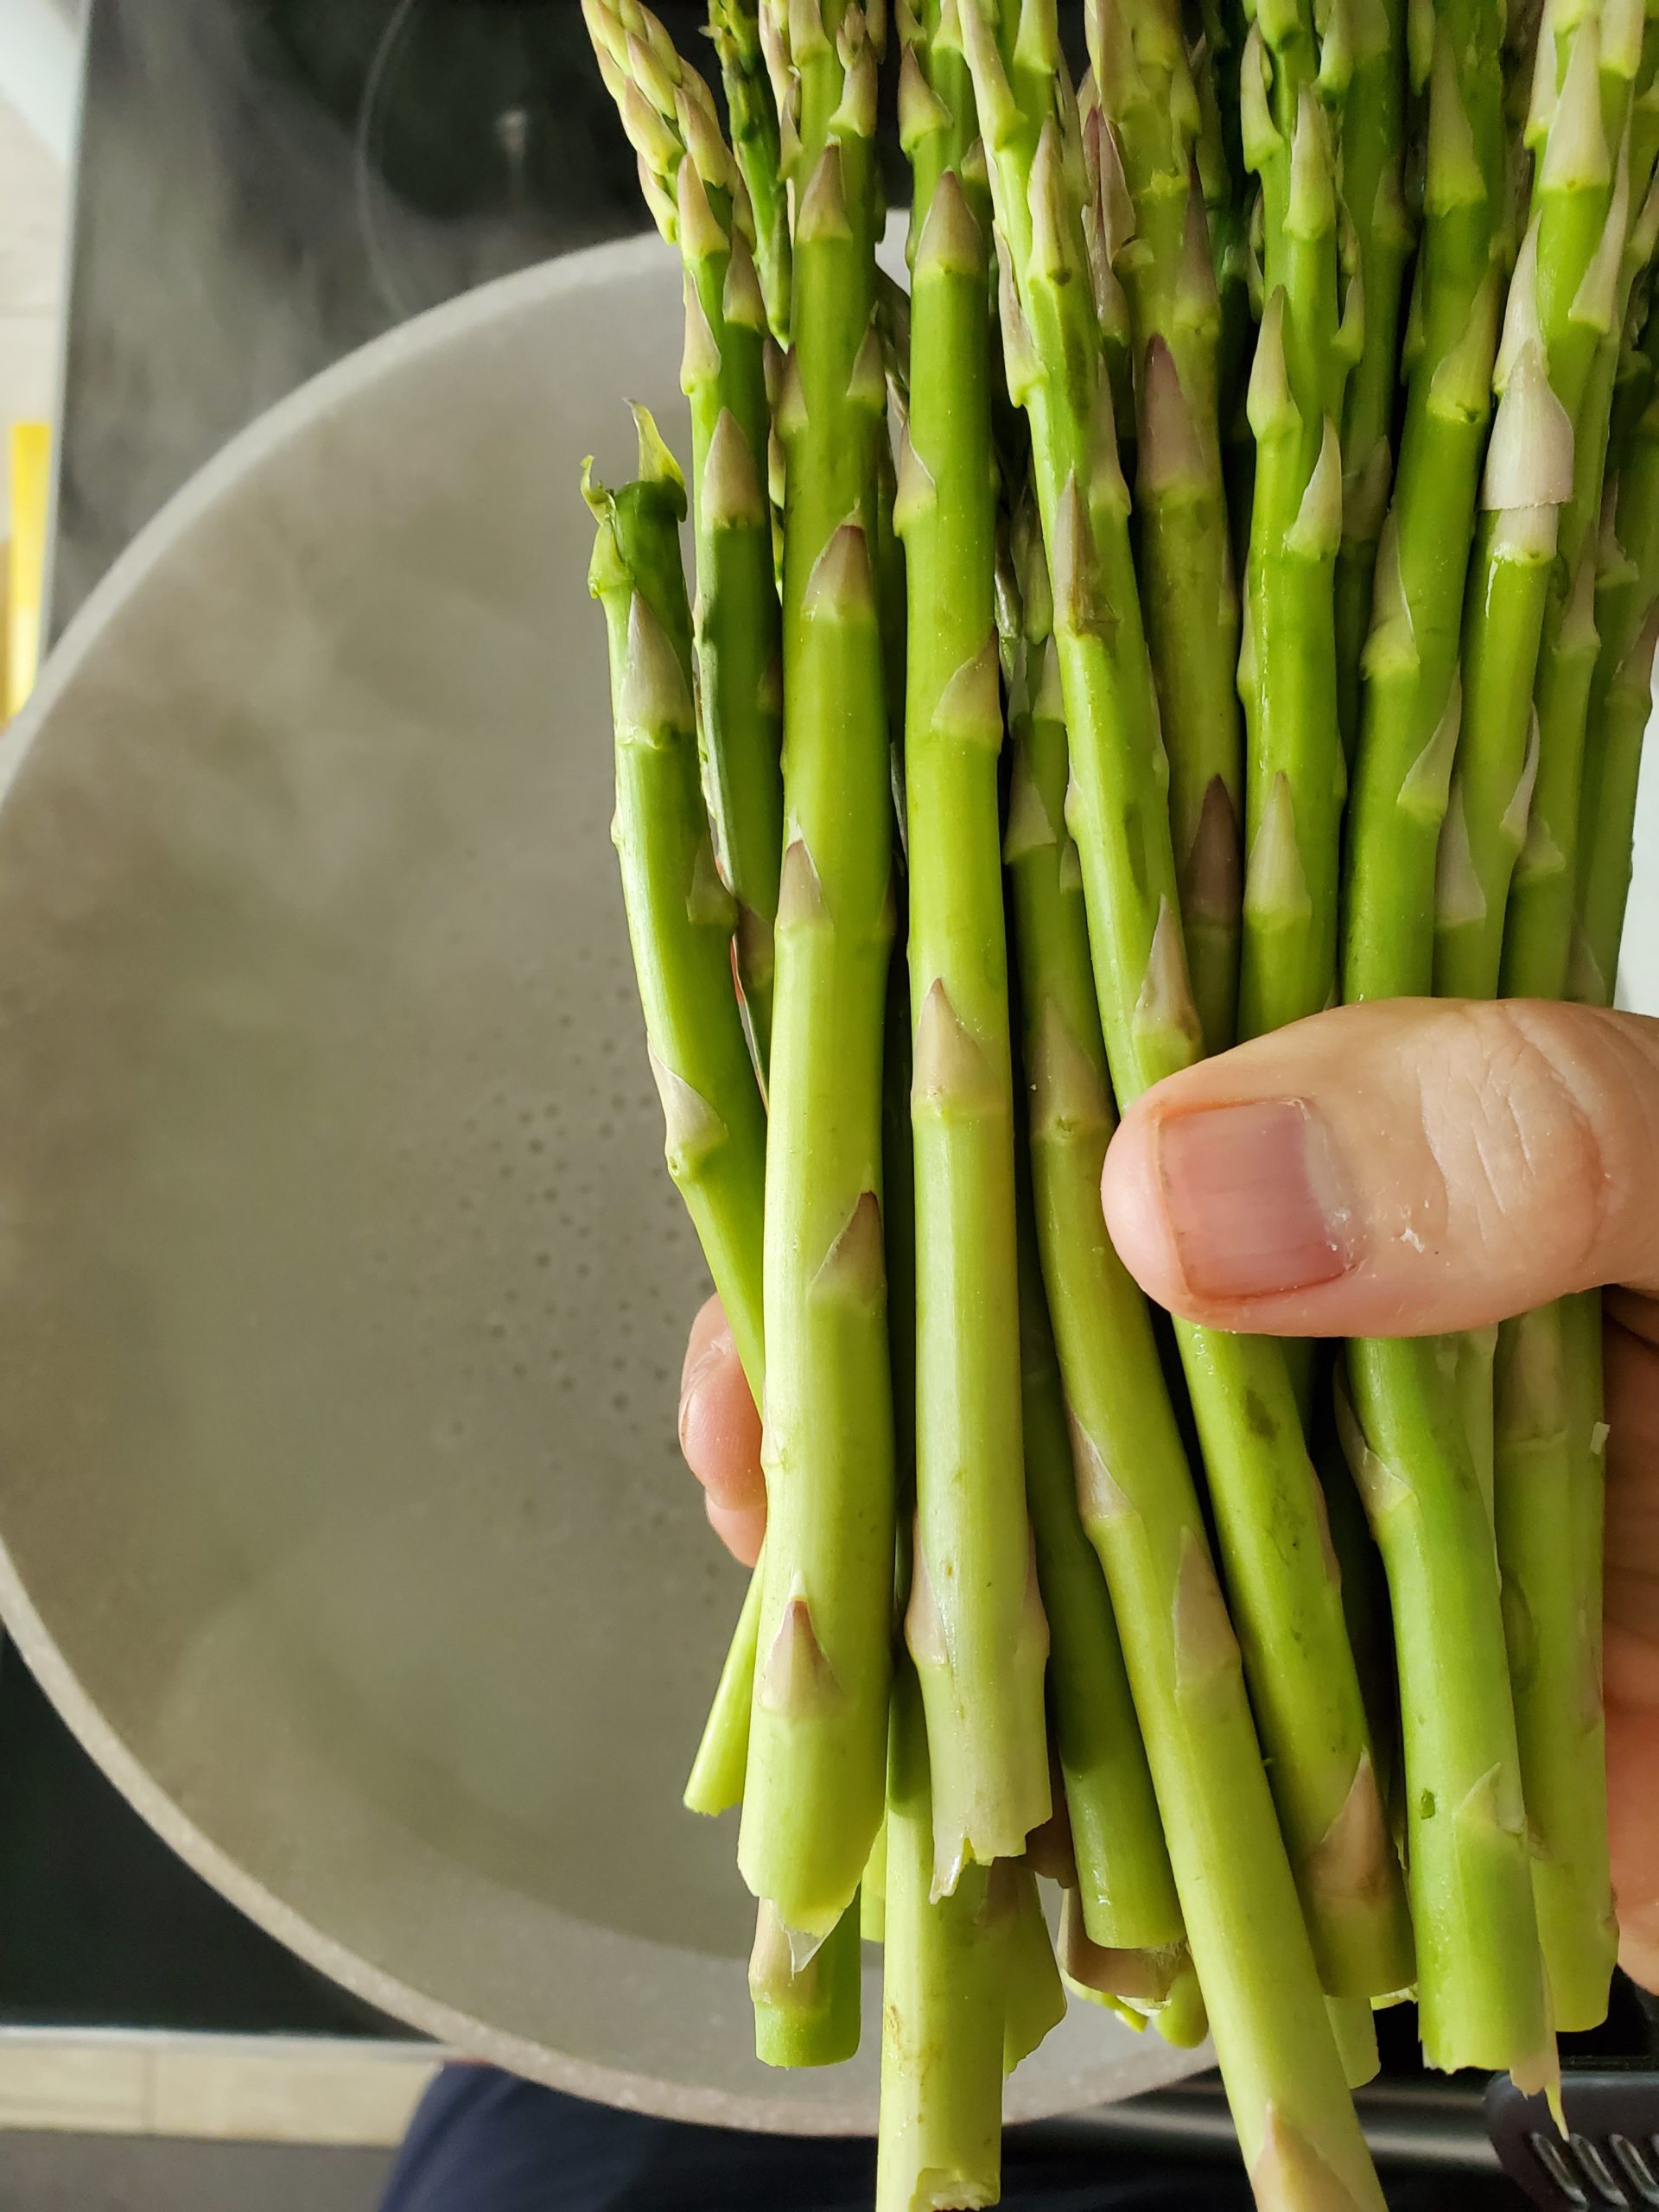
point(1225, 580)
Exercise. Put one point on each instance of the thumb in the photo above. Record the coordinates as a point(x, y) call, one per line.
point(1396, 1169)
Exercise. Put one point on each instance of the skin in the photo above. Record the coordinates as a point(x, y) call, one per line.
point(1468, 1162)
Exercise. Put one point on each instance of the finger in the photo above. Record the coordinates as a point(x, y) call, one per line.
point(1633, 1837)
point(739, 1528)
point(719, 1430)
point(1631, 1657)
point(1395, 1169)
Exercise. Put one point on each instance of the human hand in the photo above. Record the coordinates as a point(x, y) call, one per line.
point(1390, 1169)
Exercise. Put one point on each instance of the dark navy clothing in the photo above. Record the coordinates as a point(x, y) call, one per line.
point(484, 2142)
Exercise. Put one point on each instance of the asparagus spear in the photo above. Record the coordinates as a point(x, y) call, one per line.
point(736, 28)
point(1627, 612)
point(715, 1783)
point(1529, 475)
point(1149, 107)
point(1547, 1493)
point(976, 1625)
point(1125, 1890)
point(1216, 51)
point(1563, 307)
point(680, 915)
point(680, 919)
point(1552, 326)
point(1480, 1982)
point(1479, 1973)
point(1295, 773)
point(1412, 699)
point(944, 1997)
point(1538, 935)
point(668, 113)
point(1244, 1917)
point(670, 117)
point(1372, 131)
point(817, 1749)
point(1268, 1506)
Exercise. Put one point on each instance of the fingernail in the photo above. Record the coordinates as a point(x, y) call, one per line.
point(1255, 1197)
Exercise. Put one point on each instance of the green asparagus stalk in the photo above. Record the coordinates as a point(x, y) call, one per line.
point(668, 113)
point(1242, 1914)
point(1372, 146)
point(670, 117)
point(1283, 1583)
point(1413, 700)
point(679, 913)
point(1125, 1889)
point(1150, 118)
point(1296, 777)
point(817, 1749)
point(1627, 591)
point(1548, 1502)
point(975, 1626)
point(1217, 52)
point(1480, 1983)
point(1554, 320)
point(1538, 925)
point(716, 1783)
point(1547, 1486)
point(945, 2000)
point(736, 28)
point(1480, 1979)
point(1529, 475)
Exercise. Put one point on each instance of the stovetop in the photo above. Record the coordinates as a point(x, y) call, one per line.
point(263, 186)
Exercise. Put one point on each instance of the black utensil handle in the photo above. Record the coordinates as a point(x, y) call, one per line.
point(1608, 2161)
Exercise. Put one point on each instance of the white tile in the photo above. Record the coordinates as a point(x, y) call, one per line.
point(95, 2089)
point(329, 2094)
point(268, 2089)
point(34, 212)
